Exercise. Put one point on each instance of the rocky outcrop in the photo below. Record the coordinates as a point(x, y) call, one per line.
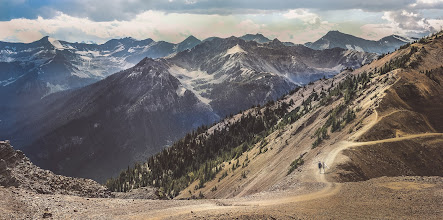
point(16, 170)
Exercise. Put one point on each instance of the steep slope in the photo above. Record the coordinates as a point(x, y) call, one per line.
point(196, 87)
point(337, 39)
point(397, 136)
point(222, 71)
point(276, 147)
point(396, 131)
point(127, 116)
point(17, 171)
point(49, 65)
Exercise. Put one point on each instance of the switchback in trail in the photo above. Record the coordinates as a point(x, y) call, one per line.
point(329, 189)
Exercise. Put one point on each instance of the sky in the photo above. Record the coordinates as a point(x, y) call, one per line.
point(296, 21)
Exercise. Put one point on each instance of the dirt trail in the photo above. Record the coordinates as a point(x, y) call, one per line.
point(329, 189)
point(330, 158)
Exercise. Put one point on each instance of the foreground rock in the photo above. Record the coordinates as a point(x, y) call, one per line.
point(17, 171)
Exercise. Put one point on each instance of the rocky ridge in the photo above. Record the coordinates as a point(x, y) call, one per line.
point(16, 170)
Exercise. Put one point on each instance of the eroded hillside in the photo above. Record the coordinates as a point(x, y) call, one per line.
point(389, 125)
point(381, 119)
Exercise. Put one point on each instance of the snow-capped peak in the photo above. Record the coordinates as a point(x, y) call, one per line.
point(235, 49)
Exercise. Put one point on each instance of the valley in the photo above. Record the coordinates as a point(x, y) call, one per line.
point(378, 129)
point(135, 113)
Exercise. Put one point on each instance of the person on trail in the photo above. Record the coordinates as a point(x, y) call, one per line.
point(320, 165)
point(324, 167)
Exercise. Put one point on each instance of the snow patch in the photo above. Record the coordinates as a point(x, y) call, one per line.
point(235, 49)
point(359, 49)
point(191, 80)
point(134, 74)
point(86, 58)
point(92, 53)
point(404, 39)
point(325, 46)
point(181, 91)
point(54, 88)
point(80, 74)
point(56, 43)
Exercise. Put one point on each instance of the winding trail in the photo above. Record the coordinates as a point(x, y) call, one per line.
point(330, 188)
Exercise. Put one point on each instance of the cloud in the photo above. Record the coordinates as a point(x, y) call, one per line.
point(427, 4)
point(172, 27)
point(109, 10)
point(174, 20)
point(405, 23)
point(408, 21)
point(304, 15)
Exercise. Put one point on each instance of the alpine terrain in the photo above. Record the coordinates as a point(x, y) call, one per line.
point(135, 113)
point(375, 130)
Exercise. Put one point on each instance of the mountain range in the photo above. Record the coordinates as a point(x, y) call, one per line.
point(137, 112)
point(352, 131)
point(32, 71)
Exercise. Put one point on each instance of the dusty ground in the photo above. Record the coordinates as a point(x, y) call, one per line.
point(380, 198)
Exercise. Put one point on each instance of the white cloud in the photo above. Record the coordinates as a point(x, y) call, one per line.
point(172, 27)
point(408, 21)
point(303, 15)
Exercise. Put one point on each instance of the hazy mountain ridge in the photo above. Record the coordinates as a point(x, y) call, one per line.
point(122, 118)
point(227, 66)
point(51, 65)
point(132, 117)
point(379, 120)
point(346, 41)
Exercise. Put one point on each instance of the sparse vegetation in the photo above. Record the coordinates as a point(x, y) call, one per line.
point(296, 163)
point(199, 154)
point(225, 174)
point(399, 62)
point(213, 189)
point(243, 175)
point(431, 74)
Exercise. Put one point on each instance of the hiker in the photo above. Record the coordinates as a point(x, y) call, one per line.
point(324, 167)
point(320, 165)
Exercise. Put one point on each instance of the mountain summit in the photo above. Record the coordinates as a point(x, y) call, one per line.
point(259, 38)
point(346, 41)
point(188, 43)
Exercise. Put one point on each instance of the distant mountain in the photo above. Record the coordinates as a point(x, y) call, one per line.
point(346, 41)
point(31, 71)
point(97, 130)
point(232, 74)
point(343, 121)
point(259, 38)
point(137, 112)
point(188, 43)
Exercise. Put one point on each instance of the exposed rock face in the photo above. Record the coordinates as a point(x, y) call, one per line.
point(17, 171)
point(96, 131)
point(34, 70)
